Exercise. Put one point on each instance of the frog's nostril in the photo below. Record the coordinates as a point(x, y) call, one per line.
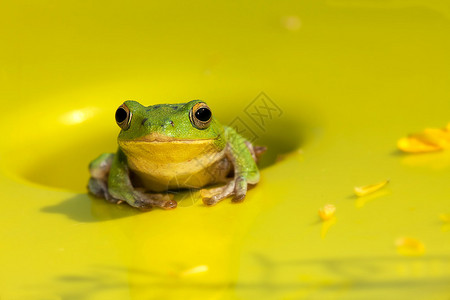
point(166, 124)
point(143, 122)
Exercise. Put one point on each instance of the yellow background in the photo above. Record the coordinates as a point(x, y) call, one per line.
point(351, 78)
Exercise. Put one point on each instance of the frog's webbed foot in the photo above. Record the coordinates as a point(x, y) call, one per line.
point(236, 187)
point(146, 201)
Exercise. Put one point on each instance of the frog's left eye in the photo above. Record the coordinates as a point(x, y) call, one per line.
point(200, 115)
point(123, 117)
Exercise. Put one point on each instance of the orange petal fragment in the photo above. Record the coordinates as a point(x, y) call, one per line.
point(327, 212)
point(409, 246)
point(368, 189)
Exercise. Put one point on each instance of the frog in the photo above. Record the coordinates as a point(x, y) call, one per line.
point(165, 148)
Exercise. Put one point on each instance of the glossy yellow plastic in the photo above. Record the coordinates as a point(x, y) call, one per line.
point(343, 81)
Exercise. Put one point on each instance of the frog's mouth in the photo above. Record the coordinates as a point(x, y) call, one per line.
point(170, 155)
point(156, 137)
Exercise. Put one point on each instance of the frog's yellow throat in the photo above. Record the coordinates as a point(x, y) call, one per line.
point(162, 162)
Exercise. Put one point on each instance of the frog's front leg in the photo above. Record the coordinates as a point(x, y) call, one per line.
point(120, 188)
point(98, 182)
point(243, 157)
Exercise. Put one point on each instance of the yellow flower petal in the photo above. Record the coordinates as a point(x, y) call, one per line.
point(327, 212)
point(414, 145)
point(368, 189)
point(409, 246)
point(439, 137)
point(428, 140)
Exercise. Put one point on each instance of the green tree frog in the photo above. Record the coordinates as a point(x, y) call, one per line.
point(166, 147)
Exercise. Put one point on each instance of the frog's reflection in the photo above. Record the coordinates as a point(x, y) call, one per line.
point(354, 275)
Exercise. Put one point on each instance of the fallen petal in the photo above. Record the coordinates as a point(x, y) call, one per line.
point(439, 137)
point(428, 140)
point(327, 212)
point(413, 145)
point(368, 189)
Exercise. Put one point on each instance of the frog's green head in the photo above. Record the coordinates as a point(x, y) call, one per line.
point(191, 121)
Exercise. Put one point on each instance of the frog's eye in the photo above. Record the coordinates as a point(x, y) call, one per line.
point(200, 115)
point(123, 117)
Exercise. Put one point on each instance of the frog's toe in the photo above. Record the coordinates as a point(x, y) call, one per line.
point(214, 196)
point(240, 189)
point(146, 201)
point(209, 201)
point(238, 198)
point(259, 150)
point(99, 188)
point(171, 204)
point(214, 199)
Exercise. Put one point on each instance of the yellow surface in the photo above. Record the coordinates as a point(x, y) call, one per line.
point(351, 78)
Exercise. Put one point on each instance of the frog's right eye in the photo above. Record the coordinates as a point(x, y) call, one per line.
point(200, 115)
point(123, 117)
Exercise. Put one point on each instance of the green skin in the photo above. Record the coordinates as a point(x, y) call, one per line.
point(162, 148)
